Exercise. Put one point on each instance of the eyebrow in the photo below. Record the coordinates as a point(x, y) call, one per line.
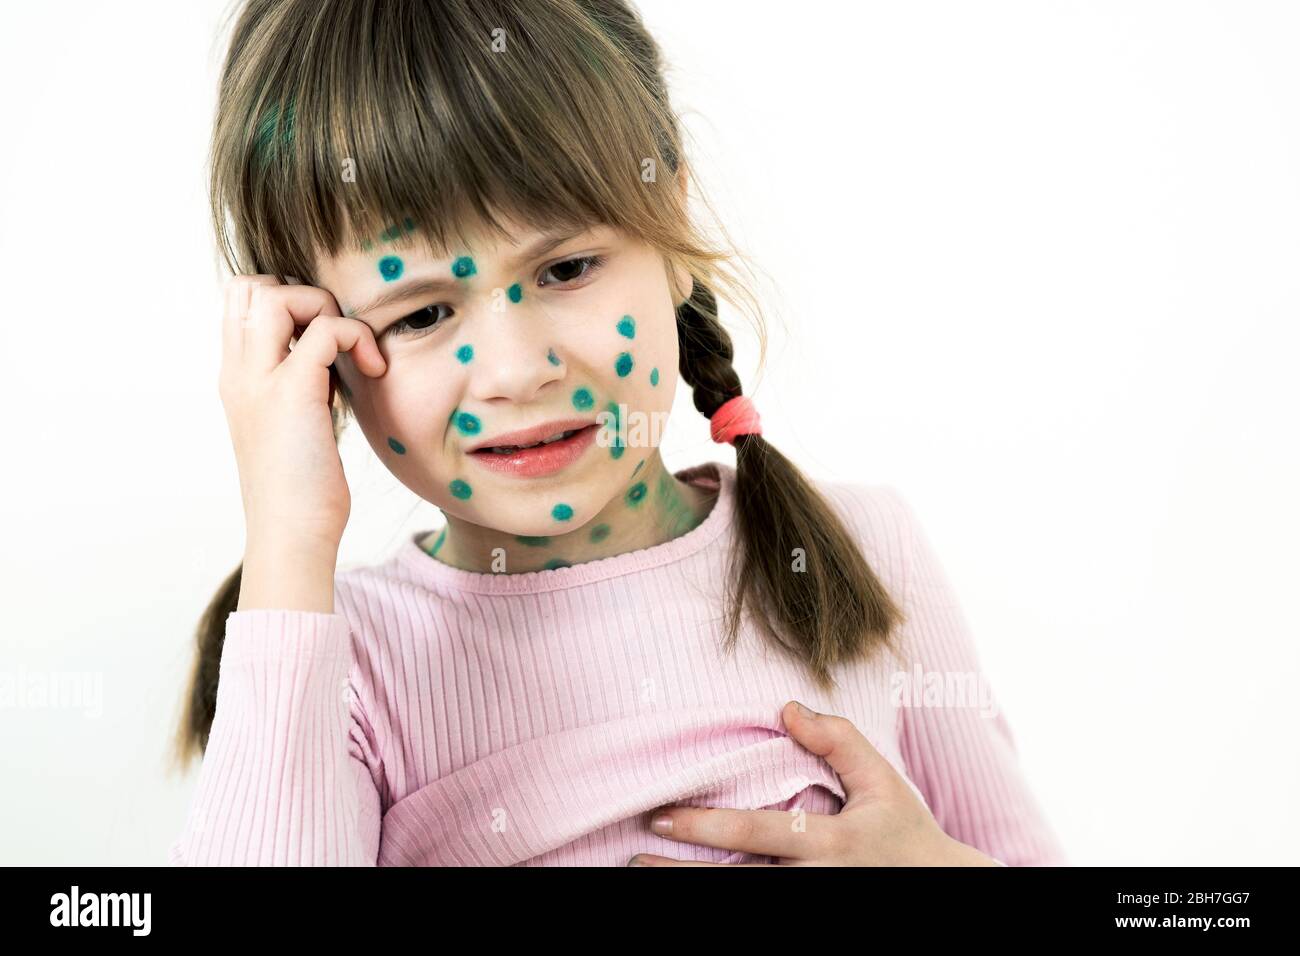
point(431, 284)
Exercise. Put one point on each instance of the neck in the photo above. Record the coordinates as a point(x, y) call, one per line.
point(668, 509)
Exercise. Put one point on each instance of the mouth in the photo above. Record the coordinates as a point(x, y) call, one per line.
point(511, 449)
point(544, 434)
point(525, 455)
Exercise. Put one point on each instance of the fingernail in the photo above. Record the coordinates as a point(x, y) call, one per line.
point(805, 711)
point(636, 861)
point(662, 823)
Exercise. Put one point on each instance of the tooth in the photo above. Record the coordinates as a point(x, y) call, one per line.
point(508, 449)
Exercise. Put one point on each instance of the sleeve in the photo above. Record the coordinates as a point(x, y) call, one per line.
point(956, 742)
point(285, 779)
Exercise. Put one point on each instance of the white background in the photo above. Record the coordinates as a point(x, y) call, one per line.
point(1032, 263)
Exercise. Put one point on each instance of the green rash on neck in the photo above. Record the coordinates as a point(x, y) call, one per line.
point(677, 515)
point(635, 495)
point(396, 445)
point(638, 467)
point(671, 512)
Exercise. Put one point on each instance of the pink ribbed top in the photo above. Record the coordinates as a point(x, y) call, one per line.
point(448, 717)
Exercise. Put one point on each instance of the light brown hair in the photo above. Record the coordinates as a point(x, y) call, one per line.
point(445, 111)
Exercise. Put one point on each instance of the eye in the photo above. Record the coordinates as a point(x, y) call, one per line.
point(410, 325)
point(574, 270)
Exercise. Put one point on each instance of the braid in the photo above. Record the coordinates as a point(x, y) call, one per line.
point(706, 352)
point(839, 610)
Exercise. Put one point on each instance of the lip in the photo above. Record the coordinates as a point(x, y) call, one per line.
point(542, 460)
point(527, 436)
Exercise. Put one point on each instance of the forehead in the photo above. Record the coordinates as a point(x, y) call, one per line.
point(401, 261)
point(520, 241)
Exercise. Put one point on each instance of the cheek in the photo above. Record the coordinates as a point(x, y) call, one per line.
point(406, 414)
point(641, 359)
point(632, 357)
point(632, 350)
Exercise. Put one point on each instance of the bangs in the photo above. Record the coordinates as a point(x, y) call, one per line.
point(350, 123)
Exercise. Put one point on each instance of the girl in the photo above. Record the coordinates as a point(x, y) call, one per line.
point(464, 222)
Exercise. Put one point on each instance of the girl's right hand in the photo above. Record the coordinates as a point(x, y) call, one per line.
point(277, 402)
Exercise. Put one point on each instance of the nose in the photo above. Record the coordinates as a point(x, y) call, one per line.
point(513, 354)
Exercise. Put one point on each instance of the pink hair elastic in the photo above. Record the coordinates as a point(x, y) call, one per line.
point(735, 417)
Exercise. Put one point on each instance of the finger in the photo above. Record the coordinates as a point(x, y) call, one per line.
point(274, 315)
point(328, 336)
point(649, 859)
point(860, 766)
point(765, 832)
point(235, 313)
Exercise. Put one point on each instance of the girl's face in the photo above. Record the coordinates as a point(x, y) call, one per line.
point(552, 332)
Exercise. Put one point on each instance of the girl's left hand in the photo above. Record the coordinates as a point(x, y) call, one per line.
point(882, 823)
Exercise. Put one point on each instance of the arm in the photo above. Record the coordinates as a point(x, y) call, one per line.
point(284, 779)
point(962, 755)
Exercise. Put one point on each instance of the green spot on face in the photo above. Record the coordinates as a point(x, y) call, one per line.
point(654, 376)
point(532, 542)
point(468, 424)
point(623, 364)
point(582, 399)
point(635, 494)
point(390, 267)
point(562, 512)
point(627, 327)
point(599, 533)
point(554, 563)
point(465, 353)
point(396, 445)
point(461, 489)
point(552, 357)
point(616, 447)
point(463, 267)
point(516, 292)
